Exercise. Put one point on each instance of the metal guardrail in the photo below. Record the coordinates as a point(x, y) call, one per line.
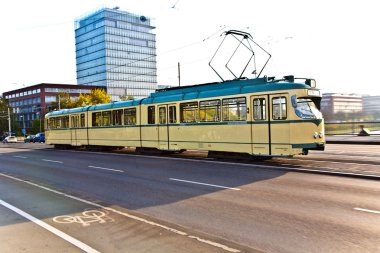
point(353, 128)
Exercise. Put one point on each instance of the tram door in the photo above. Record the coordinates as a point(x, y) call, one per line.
point(73, 129)
point(260, 133)
point(163, 127)
point(166, 117)
point(279, 124)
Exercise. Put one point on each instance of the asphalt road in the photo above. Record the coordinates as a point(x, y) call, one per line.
point(117, 202)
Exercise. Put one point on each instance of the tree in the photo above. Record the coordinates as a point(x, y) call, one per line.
point(126, 97)
point(97, 96)
point(37, 124)
point(63, 101)
point(4, 105)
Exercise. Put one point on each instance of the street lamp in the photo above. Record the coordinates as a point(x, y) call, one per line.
point(38, 110)
point(39, 117)
point(23, 124)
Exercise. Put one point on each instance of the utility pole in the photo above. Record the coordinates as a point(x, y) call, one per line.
point(59, 102)
point(39, 116)
point(23, 124)
point(179, 74)
point(9, 123)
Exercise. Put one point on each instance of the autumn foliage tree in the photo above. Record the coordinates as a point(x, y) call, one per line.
point(97, 96)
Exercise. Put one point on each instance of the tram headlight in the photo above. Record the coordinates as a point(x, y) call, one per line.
point(320, 135)
point(315, 135)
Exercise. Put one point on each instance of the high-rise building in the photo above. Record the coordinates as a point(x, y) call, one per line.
point(116, 49)
point(371, 105)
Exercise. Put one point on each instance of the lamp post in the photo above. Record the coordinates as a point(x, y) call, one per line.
point(39, 117)
point(9, 123)
point(23, 124)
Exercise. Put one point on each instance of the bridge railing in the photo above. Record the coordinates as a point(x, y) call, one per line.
point(354, 127)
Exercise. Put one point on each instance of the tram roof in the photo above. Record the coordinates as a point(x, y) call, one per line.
point(226, 88)
point(199, 91)
point(113, 105)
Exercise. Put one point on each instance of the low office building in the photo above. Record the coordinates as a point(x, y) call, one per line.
point(33, 102)
point(333, 103)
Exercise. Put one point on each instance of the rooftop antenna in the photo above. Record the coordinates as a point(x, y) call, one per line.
point(244, 39)
point(173, 7)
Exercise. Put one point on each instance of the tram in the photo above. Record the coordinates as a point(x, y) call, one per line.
point(260, 117)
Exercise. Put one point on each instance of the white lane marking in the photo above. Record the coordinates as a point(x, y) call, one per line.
point(101, 168)
point(213, 185)
point(366, 210)
point(51, 229)
point(173, 230)
point(292, 169)
point(19, 156)
point(52, 161)
point(328, 171)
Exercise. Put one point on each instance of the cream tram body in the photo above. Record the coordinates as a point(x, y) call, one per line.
point(260, 117)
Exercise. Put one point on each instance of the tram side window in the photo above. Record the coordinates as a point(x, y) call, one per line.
point(130, 116)
point(65, 122)
point(74, 121)
point(189, 112)
point(162, 115)
point(82, 120)
point(234, 109)
point(106, 118)
point(209, 111)
point(172, 114)
point(259, 109)
point(116, 117)
point(51, 123)
point(58, 122)
point(96, 119)
point(151, 115)
point(279, 108)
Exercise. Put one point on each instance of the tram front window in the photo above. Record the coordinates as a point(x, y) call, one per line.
point(307, 107)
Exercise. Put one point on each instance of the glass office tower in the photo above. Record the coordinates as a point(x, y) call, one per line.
point(116, 49)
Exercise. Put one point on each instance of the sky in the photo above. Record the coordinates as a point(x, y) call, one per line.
point(337, 43)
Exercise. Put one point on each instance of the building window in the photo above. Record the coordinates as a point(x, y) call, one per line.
point(50, 99)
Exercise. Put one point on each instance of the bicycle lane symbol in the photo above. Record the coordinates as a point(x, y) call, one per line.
point(86, 218)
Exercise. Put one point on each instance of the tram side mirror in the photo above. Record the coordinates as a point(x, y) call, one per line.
point(294, 101)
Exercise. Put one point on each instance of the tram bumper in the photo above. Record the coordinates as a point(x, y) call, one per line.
point(318, 146)
point(305, 147)
point(315, 146)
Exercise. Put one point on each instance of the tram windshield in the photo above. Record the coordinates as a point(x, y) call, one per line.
point(307, 107)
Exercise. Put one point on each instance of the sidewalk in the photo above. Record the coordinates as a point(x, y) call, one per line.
point(353, 139)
